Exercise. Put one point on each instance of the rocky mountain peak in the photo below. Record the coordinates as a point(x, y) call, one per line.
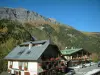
point(22, 15)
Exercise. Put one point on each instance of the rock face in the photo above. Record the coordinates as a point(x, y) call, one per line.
point(22, 15)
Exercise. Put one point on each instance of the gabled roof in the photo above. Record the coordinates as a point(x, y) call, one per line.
point(23, 52)
point(36, 42)
point(70, 51)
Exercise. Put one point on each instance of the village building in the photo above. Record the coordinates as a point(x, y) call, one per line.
point(33, 58)
point(76, 56)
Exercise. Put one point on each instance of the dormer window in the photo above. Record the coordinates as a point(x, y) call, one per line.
point(28, 52)
point(22, 51)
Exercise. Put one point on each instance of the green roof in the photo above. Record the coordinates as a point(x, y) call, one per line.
point(70, 51)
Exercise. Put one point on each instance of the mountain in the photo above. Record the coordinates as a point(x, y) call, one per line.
point(16, 25)
point(23, 15)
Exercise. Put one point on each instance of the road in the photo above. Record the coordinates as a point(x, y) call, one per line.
point(82, 71)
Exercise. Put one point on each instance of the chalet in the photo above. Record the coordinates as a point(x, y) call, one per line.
point(76, 56)
point(32, 58)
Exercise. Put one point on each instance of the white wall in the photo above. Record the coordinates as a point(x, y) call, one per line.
point(22, 72)
point(32, 67)
point(8, 64)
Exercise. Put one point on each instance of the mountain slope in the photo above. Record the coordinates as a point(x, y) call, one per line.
point(17, 29)
point(61, 35)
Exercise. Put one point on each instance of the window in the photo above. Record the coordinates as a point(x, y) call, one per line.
point(20, 63)
point(28, 52)
point(11, 63)
point(22, 51)
point(26, 64)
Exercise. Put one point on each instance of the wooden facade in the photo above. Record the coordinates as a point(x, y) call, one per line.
point(76, 56)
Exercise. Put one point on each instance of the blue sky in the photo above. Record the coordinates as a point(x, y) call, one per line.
point(84, 15)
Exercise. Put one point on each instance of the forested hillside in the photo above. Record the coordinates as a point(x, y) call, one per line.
point(13, 33)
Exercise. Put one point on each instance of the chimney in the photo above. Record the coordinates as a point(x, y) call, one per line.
point(30, 45)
